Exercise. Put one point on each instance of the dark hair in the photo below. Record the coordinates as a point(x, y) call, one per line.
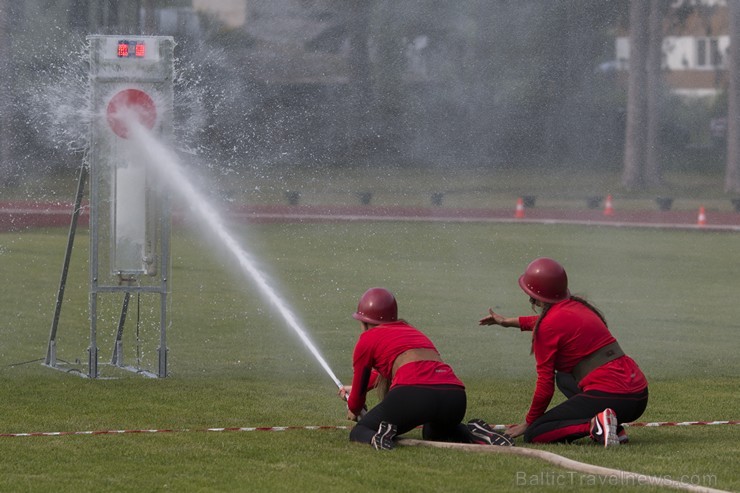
point(546, 308)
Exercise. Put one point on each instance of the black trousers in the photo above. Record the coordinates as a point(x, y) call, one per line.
point(564, 423)
point(438, 408)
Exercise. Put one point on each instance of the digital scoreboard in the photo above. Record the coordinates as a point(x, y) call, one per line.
point(123, 49)
point(131, 49)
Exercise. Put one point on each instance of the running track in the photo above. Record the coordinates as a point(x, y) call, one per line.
point(20, 216)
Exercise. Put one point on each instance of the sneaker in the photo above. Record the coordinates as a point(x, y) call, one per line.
point(604, 428)
point(383, 439)
point(482, 434)
point(622, 435)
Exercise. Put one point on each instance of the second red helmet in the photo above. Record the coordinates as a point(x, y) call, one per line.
point(545, 280)
point(377, 306)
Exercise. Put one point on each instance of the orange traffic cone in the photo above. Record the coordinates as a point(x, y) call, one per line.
point(519, 208)
point(702, 219)
point(608, 207)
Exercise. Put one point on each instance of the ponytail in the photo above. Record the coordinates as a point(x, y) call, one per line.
point(545, 309)
point(590, 307)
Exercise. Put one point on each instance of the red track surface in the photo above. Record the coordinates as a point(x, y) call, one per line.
point(18, 216)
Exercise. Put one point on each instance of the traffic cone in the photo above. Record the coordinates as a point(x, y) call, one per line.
point(519, 208)
point(608, 207)
point(702, 219)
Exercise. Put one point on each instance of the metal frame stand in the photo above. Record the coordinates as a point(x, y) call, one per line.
point(117, 356)
point(109, 74)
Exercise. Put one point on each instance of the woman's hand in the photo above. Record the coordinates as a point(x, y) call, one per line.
point(493, 318)
point(344, 391)
point(515, 430)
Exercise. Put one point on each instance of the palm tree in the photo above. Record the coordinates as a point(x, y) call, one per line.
point(652, 172)
point(732, 175)
point(5, 92)
point(635, 133)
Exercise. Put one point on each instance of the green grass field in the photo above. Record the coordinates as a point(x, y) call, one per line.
point(668, 296)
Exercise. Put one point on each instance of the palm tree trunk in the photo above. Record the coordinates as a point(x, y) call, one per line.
point(149, 18)
point(732, 174)
point(635, 133)
point(360, 77)
point(5, 93)
point(653, 176)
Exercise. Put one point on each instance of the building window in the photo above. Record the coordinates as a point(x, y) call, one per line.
point(708, 54)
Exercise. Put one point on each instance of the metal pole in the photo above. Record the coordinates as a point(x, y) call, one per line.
point(162, 350)
point(92, 351)
point(51, 349)
point(164, 288)
point(117, 359)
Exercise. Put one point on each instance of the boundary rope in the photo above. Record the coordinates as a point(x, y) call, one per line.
point(167, 430)
point(315, 427)
point(609, 475)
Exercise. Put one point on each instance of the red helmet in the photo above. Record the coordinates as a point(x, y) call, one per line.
point(545, 280)
point(377, 306)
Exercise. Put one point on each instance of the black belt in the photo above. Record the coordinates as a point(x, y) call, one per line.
point(596, 359)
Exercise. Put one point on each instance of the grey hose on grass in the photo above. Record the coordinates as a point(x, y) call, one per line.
point(622, 477)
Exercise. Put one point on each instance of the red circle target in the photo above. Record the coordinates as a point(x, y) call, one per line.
point(127, 104)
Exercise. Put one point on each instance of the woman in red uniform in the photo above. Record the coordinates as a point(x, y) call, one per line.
point(423, 389)
point(573, 346)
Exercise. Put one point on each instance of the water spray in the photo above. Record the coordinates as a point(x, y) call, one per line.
point(166, 165)
point(131, 176)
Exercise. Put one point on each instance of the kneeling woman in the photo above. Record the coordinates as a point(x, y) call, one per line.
point(572, 344)
point(423, 389)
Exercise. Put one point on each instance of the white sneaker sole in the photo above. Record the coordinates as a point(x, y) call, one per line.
point(609, 424)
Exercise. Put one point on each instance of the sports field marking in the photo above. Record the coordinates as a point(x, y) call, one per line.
point(329, 217)
point(21, 215)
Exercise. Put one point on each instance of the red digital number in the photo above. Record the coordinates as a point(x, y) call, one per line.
point(140, 50)
point(122, 50)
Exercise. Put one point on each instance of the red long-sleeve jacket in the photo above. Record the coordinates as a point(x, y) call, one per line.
point(378, 348)
point(569, 332)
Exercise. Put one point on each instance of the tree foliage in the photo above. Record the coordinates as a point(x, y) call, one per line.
point(436, 82)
